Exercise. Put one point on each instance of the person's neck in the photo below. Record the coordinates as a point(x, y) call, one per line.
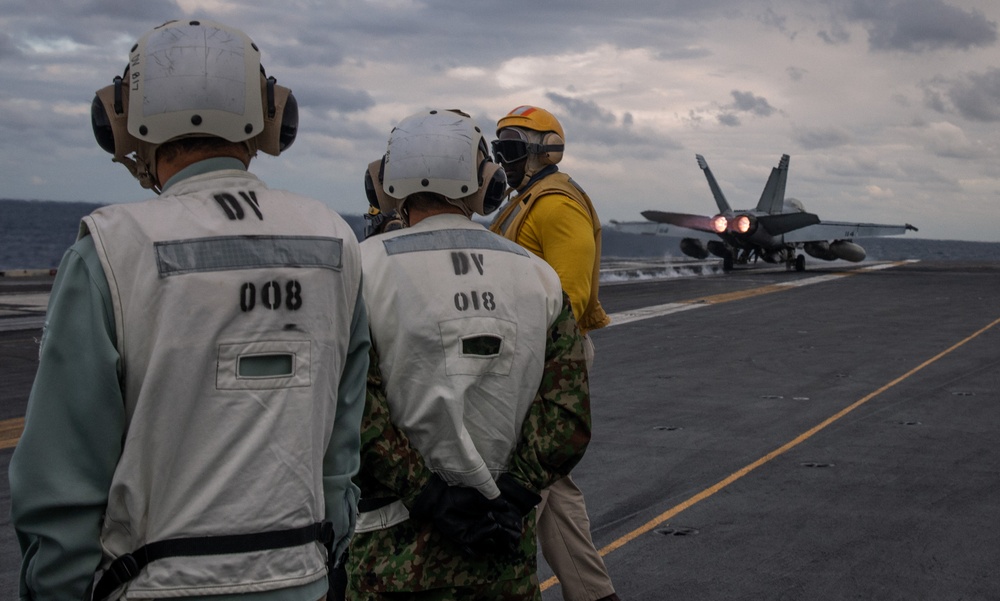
point(417, 215)
point(167, 168)
point(541, 173)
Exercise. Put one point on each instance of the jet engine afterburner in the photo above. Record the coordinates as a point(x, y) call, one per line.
point(745, 225)
point(740, 225)
point(720, 224)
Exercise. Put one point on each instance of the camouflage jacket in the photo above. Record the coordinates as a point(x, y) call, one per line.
point(413, 556)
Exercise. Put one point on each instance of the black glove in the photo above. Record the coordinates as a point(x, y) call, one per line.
point(520, 497)
point(510, 526)
point(477, 525)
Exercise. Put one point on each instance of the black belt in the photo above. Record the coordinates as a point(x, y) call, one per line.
point(127, 566)
point(365, 505)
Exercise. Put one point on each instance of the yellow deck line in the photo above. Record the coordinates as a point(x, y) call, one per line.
point(10, 432)
point(708, 492)
point(633, 315)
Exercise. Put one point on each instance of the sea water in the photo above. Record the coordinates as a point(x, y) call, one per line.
point(35, 234)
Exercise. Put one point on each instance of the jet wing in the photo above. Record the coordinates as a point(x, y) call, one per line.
point(693, 222)
point(845, 230)
point(645, 228)
point(783, 223)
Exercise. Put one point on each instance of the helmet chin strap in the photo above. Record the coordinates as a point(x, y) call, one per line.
point(534, 163)
point(460, 205)
point(140, 172)
point(537, 175)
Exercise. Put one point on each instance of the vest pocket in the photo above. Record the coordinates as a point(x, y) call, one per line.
point(478, 345)
point(263, 365)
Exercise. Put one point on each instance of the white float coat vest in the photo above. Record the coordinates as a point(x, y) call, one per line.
point(460, 318)
point(205, 280)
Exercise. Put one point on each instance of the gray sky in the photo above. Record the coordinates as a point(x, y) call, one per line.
point(890, 109)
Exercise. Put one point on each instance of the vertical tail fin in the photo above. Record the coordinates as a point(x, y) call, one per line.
point(720, 198)
point(772, 200)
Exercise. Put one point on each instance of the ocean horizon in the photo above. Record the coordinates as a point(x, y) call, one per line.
point(34, 234)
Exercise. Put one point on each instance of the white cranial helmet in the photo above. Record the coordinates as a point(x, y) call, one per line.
point(194, 78)
point(442, 152)
point(191, 79)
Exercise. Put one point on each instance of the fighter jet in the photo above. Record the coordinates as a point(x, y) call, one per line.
point(773, 232)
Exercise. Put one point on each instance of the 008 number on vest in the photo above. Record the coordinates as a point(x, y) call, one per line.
point(271, 296)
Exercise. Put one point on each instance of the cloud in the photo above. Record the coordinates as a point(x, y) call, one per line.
point(729, 115)
point(683, 53)
point(587, 110)
point(341, 129)
point(879, 192)
point(922, 25)
point(779, 22)
point(836, 35)
point(747, 102)
point(8, 48)
point(934, 99)
point(948, 140)
point(325, 96)
point(586, 122)
point(728, 119)
point(975, 96)
point(796, 73)
point(815, 139)
point(143, 9)
point(640, 87)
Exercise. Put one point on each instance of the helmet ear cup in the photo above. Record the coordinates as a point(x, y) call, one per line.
point(490, 194)
point(494, 188)
point(492, 181)
point(550, 151)
point(370, 189)
point(108, 114)
point(109, 119)
point(281, 117)
point(377, 197)
point(101, 124)
point(289, 123)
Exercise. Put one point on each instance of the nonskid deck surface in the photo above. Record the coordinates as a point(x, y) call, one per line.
point(831, 434)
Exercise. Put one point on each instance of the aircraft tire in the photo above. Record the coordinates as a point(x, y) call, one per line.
point(800, 263)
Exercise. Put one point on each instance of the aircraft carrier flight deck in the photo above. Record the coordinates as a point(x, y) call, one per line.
point(766, 434)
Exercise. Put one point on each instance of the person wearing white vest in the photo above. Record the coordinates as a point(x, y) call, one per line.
point(478, 394)
point(194, 424)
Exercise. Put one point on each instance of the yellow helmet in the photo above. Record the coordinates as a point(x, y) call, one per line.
point(533, 118)
point(548, 151)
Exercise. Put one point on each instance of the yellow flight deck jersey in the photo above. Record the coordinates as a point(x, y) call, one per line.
point(555, 219)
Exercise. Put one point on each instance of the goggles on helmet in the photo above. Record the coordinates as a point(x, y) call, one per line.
point(510, 150)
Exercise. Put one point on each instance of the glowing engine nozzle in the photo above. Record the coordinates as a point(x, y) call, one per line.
point(744, 224)
point(720, 223)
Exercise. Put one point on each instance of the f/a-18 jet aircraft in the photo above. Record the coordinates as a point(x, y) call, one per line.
point(773, 232)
